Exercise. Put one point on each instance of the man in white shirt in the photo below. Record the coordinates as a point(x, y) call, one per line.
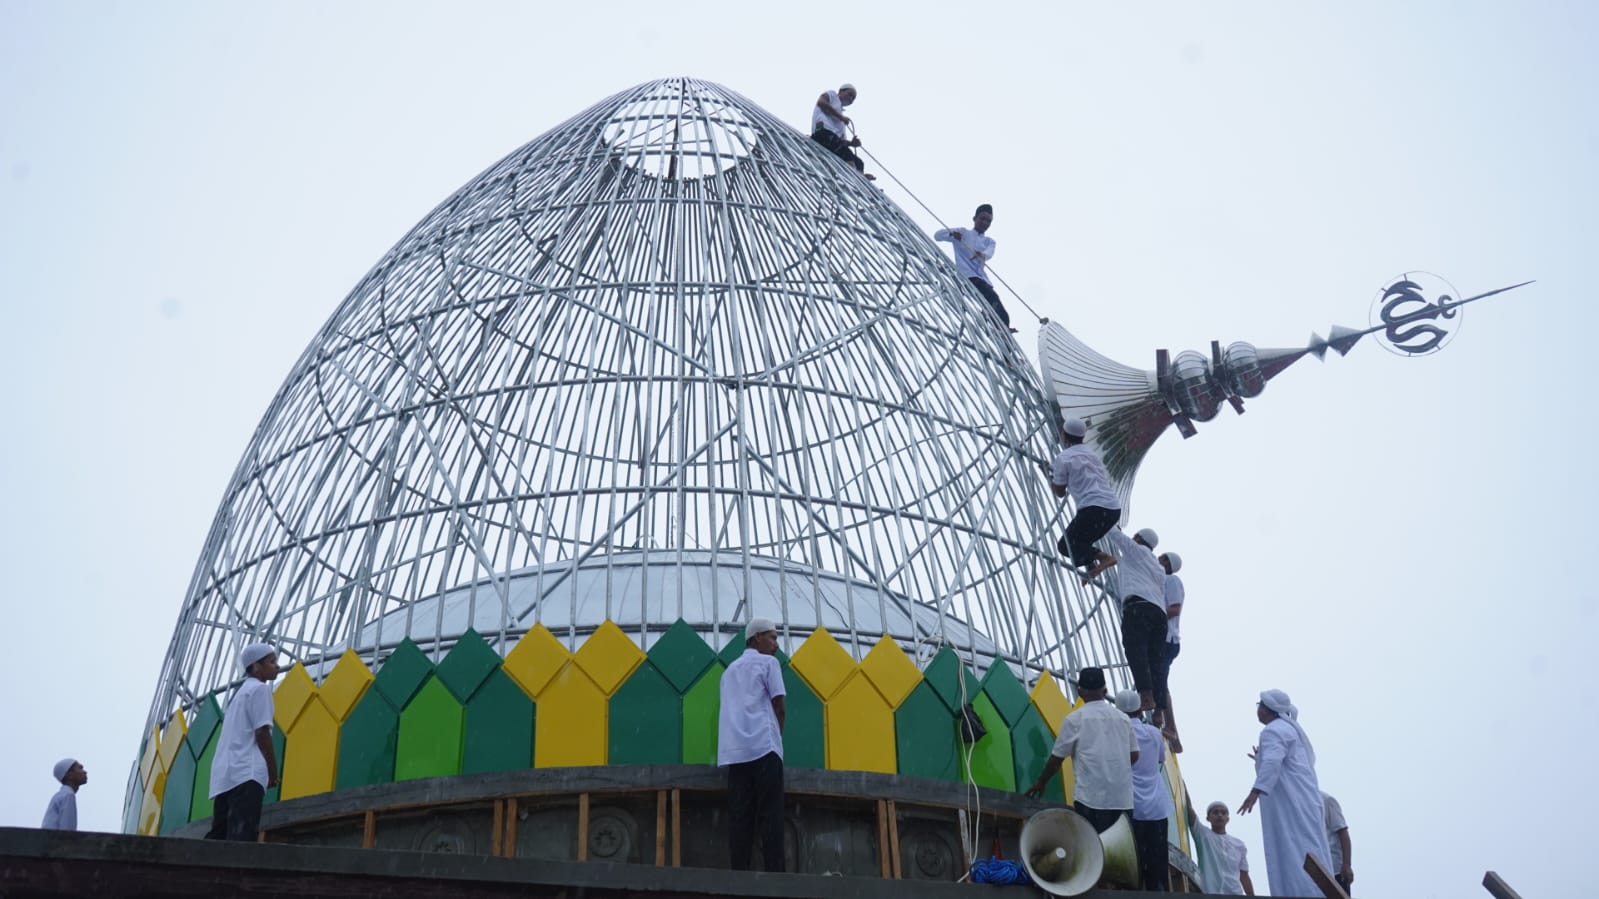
point(750, 746)
point(1338, 844)
point(1141, 584)
point(1100, 742)
point(1292, 817)
point(62, 812)
point(828, 125)
point(245, 766)
point(1175, 594)
point(1078, 471)
point(973, 248)
point(1152, 804)
point(1223, 858)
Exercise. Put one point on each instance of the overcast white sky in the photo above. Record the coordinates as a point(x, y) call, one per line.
point(188, 190)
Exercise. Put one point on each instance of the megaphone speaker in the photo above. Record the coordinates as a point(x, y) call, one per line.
point(1062, 853)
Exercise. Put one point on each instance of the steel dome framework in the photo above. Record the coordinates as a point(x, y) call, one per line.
point(670, 360)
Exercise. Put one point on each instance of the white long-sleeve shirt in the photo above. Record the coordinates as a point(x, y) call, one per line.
point(1138, 572)
point(971, 251)
point(1098, 739)
point(1081, 471)
point(62, 812)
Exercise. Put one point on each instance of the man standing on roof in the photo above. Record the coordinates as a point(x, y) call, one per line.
point(1292, 816)
point(245, 765)
point(1142, 585)
point(1077, 470)
point(62, 812)
point(829, 126)
point(973, 248)
point(750, 746)
point(1223, 858)
point(1152, 804)
point(1100, 742)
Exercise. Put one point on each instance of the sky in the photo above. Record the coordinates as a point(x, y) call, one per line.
point(187, 190)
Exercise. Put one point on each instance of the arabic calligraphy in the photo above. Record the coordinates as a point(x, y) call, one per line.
point(1411, 324)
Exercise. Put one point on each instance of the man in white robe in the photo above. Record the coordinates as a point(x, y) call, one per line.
point(1292, 816)
point(62, 812)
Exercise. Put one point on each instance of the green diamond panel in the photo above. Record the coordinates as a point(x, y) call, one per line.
point(944, 673)
point(206, 721)
point(681, 656)
point(468, 665)
point(1031, 742)
point(432, 726)
point(927, 736)
point(702, 705)
point(646, 720)
point(367, 742)
point(992, 764)
point(499, 727)
point(279, 741)
point(179, 796)
point(403, 673)
point(200, 804)
point(804, 741)
point(1006, 693)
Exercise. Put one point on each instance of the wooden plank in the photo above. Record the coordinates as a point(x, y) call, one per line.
point(369, 829)
point(582, 827)
point(882, 838)
point(660, 827)
point(510, 827)
point(1496, 885)
point(893, 837)
point(1324, 881)
point(497, 833)
point(677, 828)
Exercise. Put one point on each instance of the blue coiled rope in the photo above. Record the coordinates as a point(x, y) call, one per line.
point(999, 871)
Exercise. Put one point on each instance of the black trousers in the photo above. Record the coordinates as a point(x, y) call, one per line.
point(1150, 838)
point(989, 294)
point(1144, 642)
point(1086, 527)
point(1103, 819)
point(755, 800)
point(236, 814)
point(839, 147)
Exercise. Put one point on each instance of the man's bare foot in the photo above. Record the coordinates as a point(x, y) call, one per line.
point(1158, 719)
point(1102, 563)
point(1171, 737)
point(870, 177)
point(1146, 701)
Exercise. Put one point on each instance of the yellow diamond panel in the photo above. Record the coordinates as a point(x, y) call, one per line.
point(310, 752)
point(608, 656)
point(1051, 703)
point(860, 728)
point(1174, 782)
point(535, 659)
point(152, 751)
point(1068, 779)
point(824, 664)
point(570, 726)
point(291, 696)
point(894, 675)
point(149, 813)
point(345, 685)
point(171, 740)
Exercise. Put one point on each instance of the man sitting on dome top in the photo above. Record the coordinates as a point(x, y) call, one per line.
point(829, 124)
point(973, 247)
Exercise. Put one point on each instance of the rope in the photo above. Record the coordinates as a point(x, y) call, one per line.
point(1000, 871)
point(942, 224)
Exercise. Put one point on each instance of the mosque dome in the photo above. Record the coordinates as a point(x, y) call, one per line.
point(668, 366)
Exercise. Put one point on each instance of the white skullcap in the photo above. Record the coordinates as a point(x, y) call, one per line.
point(1278, 701)
point(1128, 701)
point(1148, 535)
point(1174, 560)
point(758, 626)
point(1075, 427)
point(61, 769)
point(255, 652)
point(846, 86)
point(1217, 804)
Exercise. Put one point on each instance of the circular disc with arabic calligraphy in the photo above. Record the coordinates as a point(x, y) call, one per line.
point(1417, 314)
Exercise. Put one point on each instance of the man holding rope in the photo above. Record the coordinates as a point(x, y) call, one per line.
point(829, 123)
